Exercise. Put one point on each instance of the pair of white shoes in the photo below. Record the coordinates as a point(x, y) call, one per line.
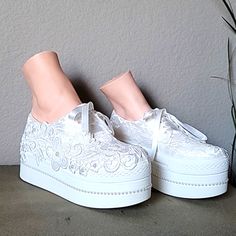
point(79, 159)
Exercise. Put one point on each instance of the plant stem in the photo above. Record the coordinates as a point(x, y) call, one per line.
point(232, 158)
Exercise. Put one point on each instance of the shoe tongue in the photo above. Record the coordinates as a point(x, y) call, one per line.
point(161, 114)
point(166, 122)
point(95, 124)
point(100, 122)
point(154, 116)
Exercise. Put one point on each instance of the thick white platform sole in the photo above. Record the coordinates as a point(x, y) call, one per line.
point(84, 193)
point(188, 186)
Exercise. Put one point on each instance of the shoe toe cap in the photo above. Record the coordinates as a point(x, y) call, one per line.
point(198, 159)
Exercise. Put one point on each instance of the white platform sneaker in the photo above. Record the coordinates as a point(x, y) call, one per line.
point(183, 164)
point(79, 159)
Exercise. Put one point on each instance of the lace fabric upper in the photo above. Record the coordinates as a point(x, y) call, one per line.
point(161, 134)
point(83, 143)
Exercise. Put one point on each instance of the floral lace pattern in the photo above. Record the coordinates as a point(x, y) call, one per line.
point(173, 141)
point(67, 147)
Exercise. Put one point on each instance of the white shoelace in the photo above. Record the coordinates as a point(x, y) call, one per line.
point(83, 111)
point(157, 115)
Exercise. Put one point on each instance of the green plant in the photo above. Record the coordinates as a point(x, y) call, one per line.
point(229, 79)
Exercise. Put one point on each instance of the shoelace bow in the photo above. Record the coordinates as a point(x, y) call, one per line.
point(157, 114)
point(82, 113)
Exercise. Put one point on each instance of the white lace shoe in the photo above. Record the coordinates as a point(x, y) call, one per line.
point(183, 164)
point(79, 159)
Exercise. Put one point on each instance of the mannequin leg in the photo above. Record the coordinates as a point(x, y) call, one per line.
point(53, 95)
point(123, 93)
point(77, 157)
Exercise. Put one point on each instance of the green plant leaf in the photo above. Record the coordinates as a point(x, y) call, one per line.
point(230, 10)
point(218, 77)
point(232, 28)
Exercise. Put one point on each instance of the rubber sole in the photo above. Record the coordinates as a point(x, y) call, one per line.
point(84, 193)
point(188, 186)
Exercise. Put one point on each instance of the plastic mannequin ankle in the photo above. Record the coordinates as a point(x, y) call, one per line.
point(52, 92)
point(123, 93)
